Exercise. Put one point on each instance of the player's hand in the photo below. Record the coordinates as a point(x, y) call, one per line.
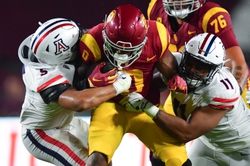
point(135, 102)
point(122, 83)
point(98, 78)
point(177, 84)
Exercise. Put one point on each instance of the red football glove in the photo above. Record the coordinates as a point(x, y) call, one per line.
point(97, 78)
point(177, 84)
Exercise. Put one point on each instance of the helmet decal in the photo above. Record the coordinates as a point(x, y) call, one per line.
point(144, 21)
point(60, 46)
point(111, 16)
point(55, 41)
point(39, 38)
point(209, 45)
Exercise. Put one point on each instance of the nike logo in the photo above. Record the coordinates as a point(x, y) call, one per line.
point(150, 58)
point(191, 32)
point(244, 154)
point(96, 80)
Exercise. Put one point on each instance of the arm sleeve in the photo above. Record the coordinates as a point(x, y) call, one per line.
point(52, 93)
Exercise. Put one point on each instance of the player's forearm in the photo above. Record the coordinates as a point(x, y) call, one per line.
point(96, 96)
point(175, 126)
point(167, 66)
point(87, 98)
point(238, 66)
point(241, 73)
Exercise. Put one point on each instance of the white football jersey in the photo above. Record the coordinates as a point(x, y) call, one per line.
point(233, 131)
point(35, 113)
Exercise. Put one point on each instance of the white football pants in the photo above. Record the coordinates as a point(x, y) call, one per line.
point(65, 146)
point(202, 155)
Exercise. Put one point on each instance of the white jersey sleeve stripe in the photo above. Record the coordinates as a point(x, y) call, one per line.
point(221, 106)
point(216, 99)
point(221, 103)
point(56, 80)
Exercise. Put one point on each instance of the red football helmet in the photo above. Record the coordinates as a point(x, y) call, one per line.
point(124, 34)
point(181, 8)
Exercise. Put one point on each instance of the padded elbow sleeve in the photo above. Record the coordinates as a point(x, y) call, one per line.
point(52, 93)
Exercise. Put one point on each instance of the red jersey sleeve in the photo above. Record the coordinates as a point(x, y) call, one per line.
point(91, 44)
point(217, 20)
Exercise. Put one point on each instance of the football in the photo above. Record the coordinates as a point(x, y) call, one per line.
point(107, 67)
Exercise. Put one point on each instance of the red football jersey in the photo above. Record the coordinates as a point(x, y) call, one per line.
point(209, 18)
point(141, 71)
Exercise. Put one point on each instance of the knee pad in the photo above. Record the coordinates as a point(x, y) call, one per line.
point(175, 161)
point(187, 163)
point(155, 161)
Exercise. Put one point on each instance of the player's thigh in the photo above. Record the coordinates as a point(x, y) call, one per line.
point(107, 127)
point(235, 158)
point(200, 154)
point(80, 129)
point(240, 157)
point(164, 146)
point(55, 146)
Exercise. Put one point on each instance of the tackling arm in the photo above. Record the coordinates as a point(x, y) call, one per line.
point(92, 97)
point(87, 98)
point(202, 120)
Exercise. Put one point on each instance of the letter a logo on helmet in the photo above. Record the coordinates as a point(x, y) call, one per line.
point(60, 46)
point(55, 41)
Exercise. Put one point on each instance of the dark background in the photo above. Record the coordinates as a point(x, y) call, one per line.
point(19, 18)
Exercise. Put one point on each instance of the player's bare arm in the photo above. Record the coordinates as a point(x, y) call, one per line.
point(167, 65)
point(237, 65)
point(87, 98)
point(202, 120)
point(105, 84)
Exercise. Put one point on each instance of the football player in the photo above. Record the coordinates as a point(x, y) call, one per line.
point(135, 46)
point(212, 113)
point(50, 132)
point(185, 19)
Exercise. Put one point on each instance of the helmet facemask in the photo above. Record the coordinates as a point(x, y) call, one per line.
point(121, 54)
point(203, 56)
point(181, 9)
point(197, 71)
point(124, 34)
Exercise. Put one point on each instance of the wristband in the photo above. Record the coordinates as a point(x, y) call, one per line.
point(151, 111)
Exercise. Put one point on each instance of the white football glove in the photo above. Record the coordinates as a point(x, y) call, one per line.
point(135, 102)
point(122, 83)
point(248, 96)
